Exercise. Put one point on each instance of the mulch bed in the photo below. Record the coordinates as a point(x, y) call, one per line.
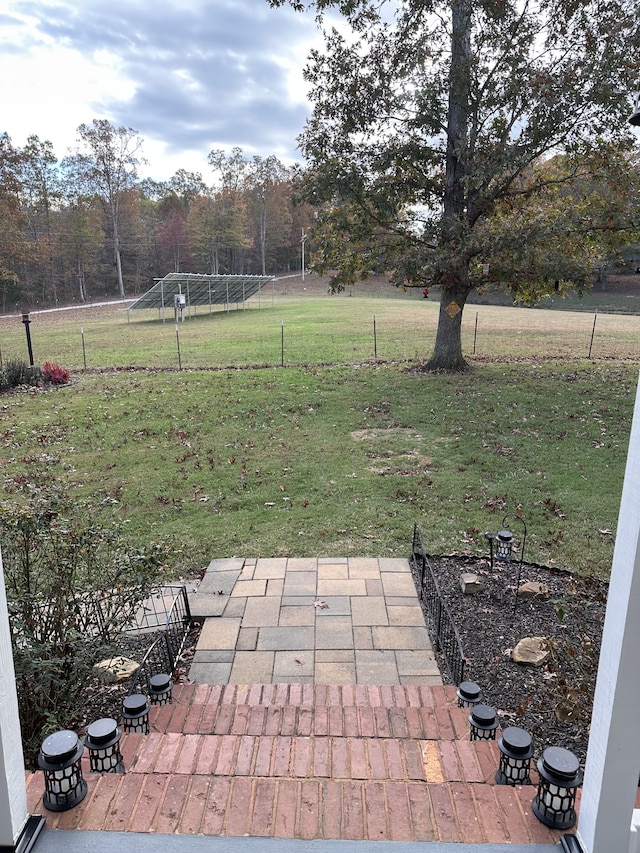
point(553, 701)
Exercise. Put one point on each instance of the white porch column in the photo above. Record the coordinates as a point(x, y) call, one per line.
point(613, 755)
point(13, 790)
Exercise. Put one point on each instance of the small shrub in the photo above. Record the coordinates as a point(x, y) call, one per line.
point(16, 373)
point(53, 374)
point(73, 584)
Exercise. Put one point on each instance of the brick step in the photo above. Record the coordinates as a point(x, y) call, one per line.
point(386, 695)
point(314, 710)
point(460, 812)
point(311, 757)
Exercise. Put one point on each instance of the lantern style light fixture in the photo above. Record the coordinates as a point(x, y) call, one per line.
point(501, 547)
point(160, 687)
point(560, 778)
point(135, 714)
point(484, 722)
point(469, 694)
point(102, 741)
point(516, 749)
point(60, 760)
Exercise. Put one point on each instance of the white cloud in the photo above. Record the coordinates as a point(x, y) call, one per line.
point(188, 76)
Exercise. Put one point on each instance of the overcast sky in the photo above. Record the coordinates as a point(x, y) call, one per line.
point(189, 75)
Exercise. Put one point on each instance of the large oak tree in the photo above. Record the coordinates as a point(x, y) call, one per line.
point(431, 120)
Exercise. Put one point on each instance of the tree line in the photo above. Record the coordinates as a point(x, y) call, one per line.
point(87, 226)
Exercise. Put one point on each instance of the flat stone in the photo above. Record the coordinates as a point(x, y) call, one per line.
point(283, 639)
point(290, 664)
point(116, 669)
point(252, 587)
point(275, 586)
point(214, 656)
point(398, 584)
point(401, 638)
point(333, 572)
point(336, 656)
point(203, 604)
point(218, 634)
point(302, 564)
point(406, 615)
point(376, 667)
point(394, 564)
point(334, 632)
point(337, 605)
point(471, 584)
point(335, 672)
point(300, 583)
point(295, 617)
point(348, 586)
point(227, 564)
point(369, 610)
point(416, 663)
point(261, 612)
point(269, 569)
point(252, 668)
point(218, 583)
point(210, 673)
point(533, 589)
point(531, 651)
point(247, 639)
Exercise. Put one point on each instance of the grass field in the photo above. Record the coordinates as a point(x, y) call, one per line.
point(340, 452)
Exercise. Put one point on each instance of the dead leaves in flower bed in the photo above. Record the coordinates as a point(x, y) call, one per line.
point(553, 702)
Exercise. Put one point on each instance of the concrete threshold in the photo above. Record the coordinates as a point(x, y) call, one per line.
point(78, 841)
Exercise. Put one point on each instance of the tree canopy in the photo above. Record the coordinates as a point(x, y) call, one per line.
point(86, 226)
point(433, 123)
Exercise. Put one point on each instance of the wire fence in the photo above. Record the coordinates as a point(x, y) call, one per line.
point(292, 331)
point(441, 625)
point(166, 610)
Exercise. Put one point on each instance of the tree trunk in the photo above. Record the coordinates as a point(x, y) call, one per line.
point(447, 354)
point(447, 351)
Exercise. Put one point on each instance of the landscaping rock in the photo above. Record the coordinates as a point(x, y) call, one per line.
point(533, 589)
point(530, 651)
point(115, 669)
point(471, 584)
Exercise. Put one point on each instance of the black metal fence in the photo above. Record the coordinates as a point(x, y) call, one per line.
point(442, 628)
point(166, 610)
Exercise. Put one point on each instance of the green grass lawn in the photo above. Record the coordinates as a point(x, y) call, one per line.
point(337, 453)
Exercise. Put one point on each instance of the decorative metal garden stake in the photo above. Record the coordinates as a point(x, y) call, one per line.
point(484, 722)
point(516, 749)
point(135, 714)
point(160, 687)
point(469, 694)
point(59, 758)
point(102, 741)
point(560, 778)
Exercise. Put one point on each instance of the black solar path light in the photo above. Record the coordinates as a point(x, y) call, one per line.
point(516, 750)
point(560, 778)
point(160, 687)
point(60, 760)
point(484, 722)
point(469, 694)
point(102, 742)
point(135, 714)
